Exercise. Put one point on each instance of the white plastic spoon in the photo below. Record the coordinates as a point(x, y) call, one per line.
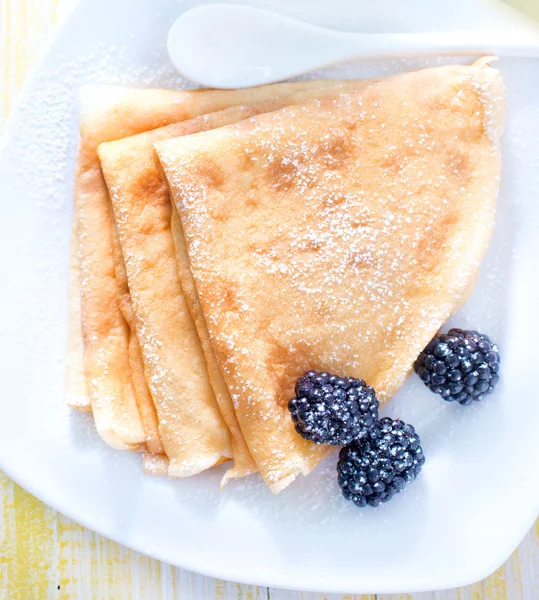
point(233, 46)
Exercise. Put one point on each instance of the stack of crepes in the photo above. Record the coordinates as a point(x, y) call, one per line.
point(225, 242)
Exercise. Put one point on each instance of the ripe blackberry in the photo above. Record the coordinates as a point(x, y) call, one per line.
point(461, 366)
point(333, 410)
point(372, 470)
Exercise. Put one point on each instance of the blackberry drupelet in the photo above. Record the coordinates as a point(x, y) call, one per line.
point(461, 366)
point(372, 470)
point(333, 410)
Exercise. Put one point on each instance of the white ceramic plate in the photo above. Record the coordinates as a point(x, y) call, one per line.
point(479, 492)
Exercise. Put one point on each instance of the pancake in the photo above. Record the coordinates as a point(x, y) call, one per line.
point(338, 235)
point(109, 113)
point(145, 404)
point(167, 327)
point(191, 426)
point(76, 395)
point(155, 464)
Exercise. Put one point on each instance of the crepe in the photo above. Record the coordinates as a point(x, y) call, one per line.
point(338, 235)
point(155, 464)
point(109, 113)
point(168, 335)
point(76, 392)
point(145, 404)
point(76, 395)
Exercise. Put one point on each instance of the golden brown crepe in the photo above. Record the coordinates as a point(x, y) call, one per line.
point(76, 395)
point(76, 392)
point(164, 325)
point(109, 113)
point(191, 426)
point(337, 235)
point(155, 464)
point(145, 404)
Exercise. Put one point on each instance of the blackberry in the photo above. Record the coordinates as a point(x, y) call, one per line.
point(333, 410)
point(461, 366)
point(372, 470)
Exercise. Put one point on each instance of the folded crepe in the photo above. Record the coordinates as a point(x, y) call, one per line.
point(113, 369)
point(155, 464)
point(337, 235)
point(76, 390)
point(145, 404)
point(168, 333)
point(76, 394)
point(76, 385)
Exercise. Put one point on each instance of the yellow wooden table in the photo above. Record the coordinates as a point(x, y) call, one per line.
point(44, 555)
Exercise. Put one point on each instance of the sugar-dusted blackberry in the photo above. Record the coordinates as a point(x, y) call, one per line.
point(372, 470)
point(460, 365)
point(329, 409)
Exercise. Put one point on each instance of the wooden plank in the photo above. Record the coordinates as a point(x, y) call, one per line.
point(187, 585)
point(28, 557)
point(421, 596)
point(92, 566)
point(528, 560)
point(494, 587)
point(292, 595)
point(470, 592)
point(7, 525)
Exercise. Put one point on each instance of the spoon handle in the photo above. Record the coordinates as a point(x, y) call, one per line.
point(447, 43)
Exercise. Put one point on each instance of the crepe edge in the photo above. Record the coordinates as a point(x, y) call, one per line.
point(76, 394)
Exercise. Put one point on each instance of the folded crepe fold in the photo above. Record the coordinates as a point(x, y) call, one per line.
point(113, 366)
point(76, 394)
point(337, 235)
point(172, 334)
